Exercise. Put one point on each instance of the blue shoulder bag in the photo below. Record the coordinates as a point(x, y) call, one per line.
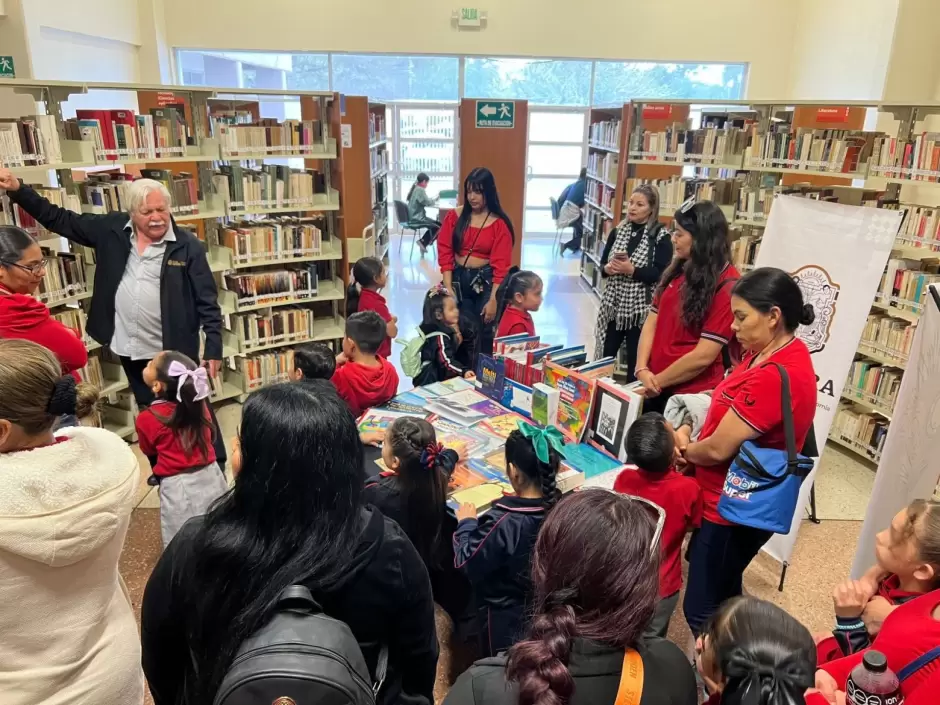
point(762, 486)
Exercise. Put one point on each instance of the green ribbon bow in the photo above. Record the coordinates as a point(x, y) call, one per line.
point(542, 438)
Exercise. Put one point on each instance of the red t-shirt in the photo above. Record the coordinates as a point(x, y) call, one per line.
point(673, 339)
point(492, 242)
point(754, 393)
point(514, 321)
point(155, 438)
point(373, 301)
point(681, 497)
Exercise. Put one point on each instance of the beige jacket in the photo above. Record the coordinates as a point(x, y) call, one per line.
point(67, 630)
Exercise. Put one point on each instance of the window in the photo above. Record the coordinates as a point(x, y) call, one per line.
point(254, 69)
point(540, 81)
point(426, 78)
point(616, 82)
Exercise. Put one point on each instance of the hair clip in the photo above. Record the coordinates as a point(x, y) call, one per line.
point(430, 454)
point(687, 204)
point(438, 290)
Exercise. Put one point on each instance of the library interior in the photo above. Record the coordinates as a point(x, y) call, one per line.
point(205, 204)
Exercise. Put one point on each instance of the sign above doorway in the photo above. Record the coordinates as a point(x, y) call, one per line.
point(496, 113)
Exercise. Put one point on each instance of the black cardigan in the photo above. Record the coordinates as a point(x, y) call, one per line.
point(667, 677)
point(662, 254)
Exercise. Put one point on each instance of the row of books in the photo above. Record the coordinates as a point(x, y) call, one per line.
point(64, 276)
point(278, 285)
point(267, 368)
point(73, 318)
point(91, 372)
point(890, 337)
point(920, 227)
point(231, 116)
point(680, 144)
point(268, 136)
point(917, 159)
point(28, 141)
point(376, 127)
point(754, 203)
point(596, 228)
point(904, 283)
point(108, 191)
point(605, 134)
point(378, 161)
point(676, 189)
point(842, 151)
point(603, 166)
point(599, 195)
point(12, 214)
point(282, 325)
point(122, 134)
point(272, 240)
point(744, 251)
point(268, 186)
point(866, 432)
point(874, 383)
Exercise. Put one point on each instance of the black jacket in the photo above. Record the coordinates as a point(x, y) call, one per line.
point(439, 356)
point(188, 293)
point(387, 600)
point(667, 677)
point(660, 254)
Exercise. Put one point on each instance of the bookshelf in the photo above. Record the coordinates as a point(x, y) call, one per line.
point(258, 191)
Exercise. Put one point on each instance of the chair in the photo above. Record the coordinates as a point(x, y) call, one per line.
point(401, 213)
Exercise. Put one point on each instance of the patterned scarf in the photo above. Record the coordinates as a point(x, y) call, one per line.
point(625, 300)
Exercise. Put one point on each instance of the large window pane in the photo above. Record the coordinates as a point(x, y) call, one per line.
point(540, 81)
point(556, 160)
point(538, 191)
point(556, 127)
point(427, 156)
point(254, 69)
point(396, 77)
point(427, 124)
point(617, 82)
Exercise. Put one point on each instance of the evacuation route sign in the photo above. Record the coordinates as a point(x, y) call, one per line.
point(6, 67)
point(496, 113)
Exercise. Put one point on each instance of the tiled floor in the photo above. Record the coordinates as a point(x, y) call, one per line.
point(823, 552)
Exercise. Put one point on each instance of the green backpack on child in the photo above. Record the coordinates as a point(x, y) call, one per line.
point(411, 363)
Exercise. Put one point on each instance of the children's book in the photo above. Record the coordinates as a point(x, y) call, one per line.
point(466, 397)
point(458, 384)
point(481, 496)
point(377, 420)
point(459, 413)
point(599, 368)
point(442, 425)
point(411, 398)
point(489, 408)
point(492, 473)
point(464, 478)
point(569, 357)
point(576, 393)
point(404, 408)
point(424, 393)
point(589, 461)
point(616, 407)
point(468, 443)
point(491, 374)
point(438, 390)
point(501, 426)
point(510, 343)
point(518, 397)
point(496, 458)
point(545, 404)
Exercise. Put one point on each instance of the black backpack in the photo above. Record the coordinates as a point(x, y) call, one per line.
point(302, 656)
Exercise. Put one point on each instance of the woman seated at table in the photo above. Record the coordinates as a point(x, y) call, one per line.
point(418, 200)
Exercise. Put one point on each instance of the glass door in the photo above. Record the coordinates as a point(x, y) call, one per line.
point(555, 155)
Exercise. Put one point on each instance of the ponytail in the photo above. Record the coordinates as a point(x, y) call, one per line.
point(539, 664)
point(365, 273)
point(521, 453)
point(190, 419)
point(519, 281)
point(418, 179)
point(352, 298)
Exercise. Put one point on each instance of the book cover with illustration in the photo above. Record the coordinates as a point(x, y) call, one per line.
point(468, 443)
point(545, 404)
point(518, 397)
point(489, 408)
point(458, 384)
point(501, 426)
point(491, 374)
point(403, 408)
point(616, 407)
point(589, 461)
point(377, 420)
point(443, 425)
point(575, 395)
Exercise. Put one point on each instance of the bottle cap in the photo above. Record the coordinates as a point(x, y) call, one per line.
point(875, 661)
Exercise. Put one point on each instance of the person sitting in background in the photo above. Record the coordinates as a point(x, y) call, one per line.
point(574, 193)
point(651, 448)
point(365, 380)
point(753, 652)
point(313, 361)
point(294, 516)
point(594, 574)
point(22, 266)
point(418, 200)
point(369, 275)
point(69, 633)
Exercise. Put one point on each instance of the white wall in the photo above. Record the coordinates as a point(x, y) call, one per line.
point(677, 30)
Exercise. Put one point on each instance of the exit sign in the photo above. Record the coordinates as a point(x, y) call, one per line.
point(469, 17)
point(6, 67)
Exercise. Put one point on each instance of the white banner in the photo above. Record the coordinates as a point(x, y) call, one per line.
point(908, 468)
point(837, 254)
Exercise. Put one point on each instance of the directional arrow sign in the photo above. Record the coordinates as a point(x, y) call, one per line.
point(496, 113)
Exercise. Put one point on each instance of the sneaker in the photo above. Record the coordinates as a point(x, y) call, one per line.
point(562, 246)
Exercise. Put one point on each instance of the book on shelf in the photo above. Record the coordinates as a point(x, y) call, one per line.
point(890, 337)
point(266, 368)
point(12, 214)
point(267, 186)
point(183, 188)
point(680, 144)
point(273, 286)
point(600, 195)
point(920, 226)
point(917, 159)
point(603, 166)
point(64, 276)
point(29, 141)
point(269, 137)
point(120, 135)
point(874, 383)
point(605, 133)
point(744, 251)
point(378, 161)
point(836, 151)
point(675, 190)
point(866, 432)
point(282, 325)
point(91, 372)
point(905, 282)
point(376, 127)
point(73, 318)
point(274, 240)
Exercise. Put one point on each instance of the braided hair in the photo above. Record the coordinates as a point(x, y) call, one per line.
point(423, 473)
point(521, 454)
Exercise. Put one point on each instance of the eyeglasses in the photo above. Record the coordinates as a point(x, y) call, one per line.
point(655, 511)
point(33, 269)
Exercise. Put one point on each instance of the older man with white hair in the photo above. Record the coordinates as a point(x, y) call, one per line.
point(153, 286)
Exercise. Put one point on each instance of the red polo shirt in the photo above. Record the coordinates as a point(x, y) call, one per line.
point(673, 338)
point(514, 321)
point(373, 301)
point(681, 497)
point(754, 394)
point(156, 438)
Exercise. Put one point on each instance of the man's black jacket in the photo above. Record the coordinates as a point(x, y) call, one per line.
point(188, 294)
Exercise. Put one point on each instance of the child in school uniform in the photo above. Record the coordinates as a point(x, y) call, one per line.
point(364, 379)
point(313, 361)
point(177, 431)
point(368, 277)
point(439, 353)
point(521, 294)
point(652, 450)
point(494, 550)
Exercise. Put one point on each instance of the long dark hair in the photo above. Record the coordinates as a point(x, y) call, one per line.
point(711, 253)
point(764, 655)
point(480, 180)
point(293, 514)
point(423, 473)
point(13, 243)
point(418, 179)
point(432, 312)
point(364, 273)
point(768, 288)
point(521, 453)
point(593, 576)
point(190, 418)
point(519, 281)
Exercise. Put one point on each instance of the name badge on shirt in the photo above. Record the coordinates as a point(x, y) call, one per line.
point(175, 263)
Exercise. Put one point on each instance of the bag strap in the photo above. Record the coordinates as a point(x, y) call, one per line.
point(788, 430)
point(919, 663)
point(631, 679)
point(381, 668)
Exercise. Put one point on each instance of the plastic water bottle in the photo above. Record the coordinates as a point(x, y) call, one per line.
point(873, 683)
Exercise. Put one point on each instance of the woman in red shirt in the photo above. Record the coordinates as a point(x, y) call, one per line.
point(475, 253)
point(768, 307)
point(22, 266)
point(690, 319)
